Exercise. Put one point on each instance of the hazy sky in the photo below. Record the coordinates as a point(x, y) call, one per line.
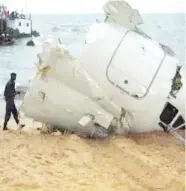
point(95, 6)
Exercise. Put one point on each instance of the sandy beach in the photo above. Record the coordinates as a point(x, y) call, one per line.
point(145, 162)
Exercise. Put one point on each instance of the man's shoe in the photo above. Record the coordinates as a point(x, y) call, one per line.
point(5, 129)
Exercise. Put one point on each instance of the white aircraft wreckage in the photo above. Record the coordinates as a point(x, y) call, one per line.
point(124, 81)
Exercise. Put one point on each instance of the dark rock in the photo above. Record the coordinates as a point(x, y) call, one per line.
point(16, 34)
point(35, 33)
point(30, 43)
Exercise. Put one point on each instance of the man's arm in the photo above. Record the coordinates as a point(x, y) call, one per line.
point(15, 92)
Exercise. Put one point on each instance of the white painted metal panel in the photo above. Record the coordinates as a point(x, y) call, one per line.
point(135, 56)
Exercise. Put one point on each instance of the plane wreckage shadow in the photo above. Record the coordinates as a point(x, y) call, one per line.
point(160, 137)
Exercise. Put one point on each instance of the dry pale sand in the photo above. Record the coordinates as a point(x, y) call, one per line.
point(153, 162)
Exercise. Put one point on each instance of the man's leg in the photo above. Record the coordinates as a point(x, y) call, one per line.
point(7, 115)
point(15, 114)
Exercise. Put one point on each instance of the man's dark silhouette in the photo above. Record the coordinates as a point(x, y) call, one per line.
point(9, 94)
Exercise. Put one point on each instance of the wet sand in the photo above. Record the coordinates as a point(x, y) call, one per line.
point(145, 162)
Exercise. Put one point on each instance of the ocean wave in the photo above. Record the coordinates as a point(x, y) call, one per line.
point(69, 28)
point(55, 29)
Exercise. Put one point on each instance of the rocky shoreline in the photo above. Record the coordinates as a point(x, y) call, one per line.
point(16, 34)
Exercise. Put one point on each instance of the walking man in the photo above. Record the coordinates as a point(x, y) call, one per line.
point(9, 94)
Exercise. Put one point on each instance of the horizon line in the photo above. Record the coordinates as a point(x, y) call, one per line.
point(104, 13)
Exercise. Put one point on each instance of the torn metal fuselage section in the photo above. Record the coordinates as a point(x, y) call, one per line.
point(120, 83)
point(172, 117)
point(122, 13)
point(64, 95)
point(176, 82)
